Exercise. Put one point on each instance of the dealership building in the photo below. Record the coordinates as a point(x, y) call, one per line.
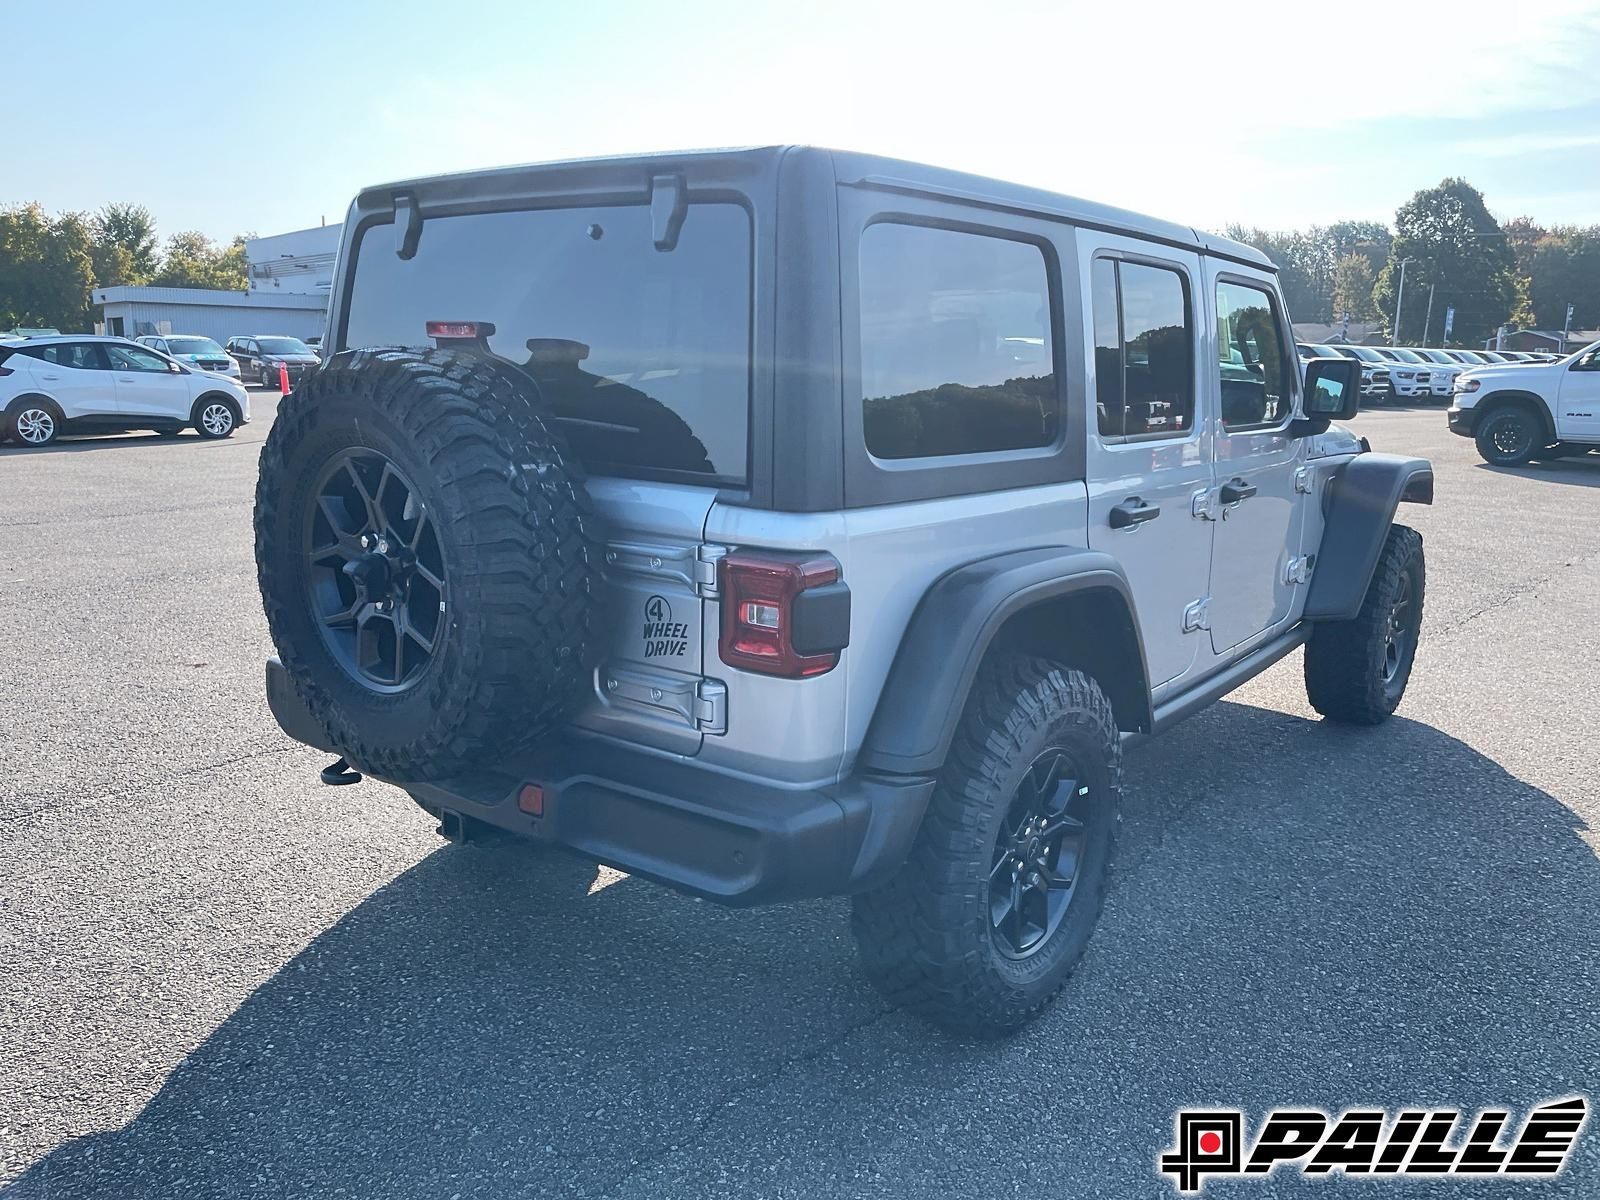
point(290, 277)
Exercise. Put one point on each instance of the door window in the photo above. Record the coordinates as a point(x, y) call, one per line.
point(956, 354)
point(136, 358)
point(1252, 363)
point(1144, 351)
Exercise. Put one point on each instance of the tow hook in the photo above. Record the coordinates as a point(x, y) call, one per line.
point(338, 773)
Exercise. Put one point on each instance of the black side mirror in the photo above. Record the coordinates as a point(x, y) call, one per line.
point(1333, 389)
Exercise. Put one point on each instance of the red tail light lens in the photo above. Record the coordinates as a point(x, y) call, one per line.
point(456, 330)
point(758, 605)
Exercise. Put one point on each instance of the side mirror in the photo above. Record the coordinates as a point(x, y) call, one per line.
point(1333, 389)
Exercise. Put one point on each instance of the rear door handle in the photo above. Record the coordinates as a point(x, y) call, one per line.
point(1133, 512)
point(1236, 490)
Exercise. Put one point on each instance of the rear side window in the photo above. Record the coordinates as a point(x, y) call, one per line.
point(1144, 351)
point(956, 353)
point(1252, 365)
point(644, 354)
point(83, 356)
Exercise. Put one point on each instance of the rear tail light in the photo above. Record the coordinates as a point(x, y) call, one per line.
point(4, 371)
point(785, 615)
point(460, 331)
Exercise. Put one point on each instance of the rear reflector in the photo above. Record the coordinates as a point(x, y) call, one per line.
point(460, 329)
point(758, 612)
point(531, 799)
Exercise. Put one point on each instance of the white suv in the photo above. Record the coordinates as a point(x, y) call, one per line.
point(55, 385)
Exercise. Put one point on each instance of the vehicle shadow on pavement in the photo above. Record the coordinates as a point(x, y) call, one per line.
point(115, 441)
point(1302, 915)
point(1578, 471)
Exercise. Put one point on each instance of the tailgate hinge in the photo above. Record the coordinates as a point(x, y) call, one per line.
point(706, 558)
point(711, 706)
point(1197, 615)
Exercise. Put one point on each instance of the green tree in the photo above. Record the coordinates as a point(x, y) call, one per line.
point(1352, 288)
point(1565, 269)
point(1456, 248)
point(124, 245)
point(194, 261)
point(46, 273)
point(1305, 267)
point(1370, 239)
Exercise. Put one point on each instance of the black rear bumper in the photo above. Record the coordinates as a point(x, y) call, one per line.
point(671, 820)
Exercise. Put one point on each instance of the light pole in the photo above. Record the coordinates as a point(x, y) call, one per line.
point(1399, 299)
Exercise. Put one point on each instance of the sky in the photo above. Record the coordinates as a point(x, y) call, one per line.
point(232, 118)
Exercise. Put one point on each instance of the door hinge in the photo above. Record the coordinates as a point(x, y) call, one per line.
point(1304, 479)
point(706, 558)
point(1197, 615)
point(711, 706)
point(1203, 505)
point(1297, 570)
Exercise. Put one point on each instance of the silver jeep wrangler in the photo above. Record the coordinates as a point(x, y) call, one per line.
point(778, 523)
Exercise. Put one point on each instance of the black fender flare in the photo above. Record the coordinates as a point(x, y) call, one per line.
point(1362, 498)
point(1516, 398)
point(952, 629)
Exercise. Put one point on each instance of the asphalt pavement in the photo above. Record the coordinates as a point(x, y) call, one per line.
point(220, 978)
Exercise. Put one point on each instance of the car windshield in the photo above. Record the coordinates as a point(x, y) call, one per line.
point(1410, 356)
point(282, 345)
point(1469, 356)
point(193, 345)
point(1364, 353)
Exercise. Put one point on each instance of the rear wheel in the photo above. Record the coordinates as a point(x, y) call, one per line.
point(1508, 436)
point(34, 423)
point(994, 906)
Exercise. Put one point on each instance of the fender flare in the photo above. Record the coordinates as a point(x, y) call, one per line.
point(1362, 498)
point(952, 629)
point(1515, 397)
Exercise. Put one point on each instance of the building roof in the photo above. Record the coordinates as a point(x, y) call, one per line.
point(206, 296)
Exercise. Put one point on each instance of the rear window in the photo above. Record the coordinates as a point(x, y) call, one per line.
point(644, 354)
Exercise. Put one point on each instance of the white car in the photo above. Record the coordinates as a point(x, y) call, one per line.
point(1442, 369)
point(1520, 411)
point(193, 350)
point(1411, 376)
point(66, 384)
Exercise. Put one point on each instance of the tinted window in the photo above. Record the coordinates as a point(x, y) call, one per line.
point(189, 345)
point(1252, 366)
point(135, 358)
point(956, 355)
point(284, 346)
point(83, 356)
point(643, 353)
point(1144, 378)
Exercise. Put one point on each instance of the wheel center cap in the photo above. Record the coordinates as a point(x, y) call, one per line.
point(371, 573)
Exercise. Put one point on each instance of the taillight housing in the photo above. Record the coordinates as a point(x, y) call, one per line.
point(783, 614)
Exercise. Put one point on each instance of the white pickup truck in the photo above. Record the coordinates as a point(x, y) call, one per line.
point(1530, 410)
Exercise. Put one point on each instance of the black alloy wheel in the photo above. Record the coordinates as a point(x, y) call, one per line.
point(1038, 855)
point(377, 578)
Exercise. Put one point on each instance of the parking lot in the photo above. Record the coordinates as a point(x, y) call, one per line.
point(218, 977)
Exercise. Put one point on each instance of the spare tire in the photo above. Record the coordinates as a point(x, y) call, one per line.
point(428, 560)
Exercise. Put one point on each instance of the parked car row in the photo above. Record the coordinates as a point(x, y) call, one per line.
point(89, 383)
point(1413, 372)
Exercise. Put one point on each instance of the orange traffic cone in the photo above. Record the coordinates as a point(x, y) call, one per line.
point(283, 378)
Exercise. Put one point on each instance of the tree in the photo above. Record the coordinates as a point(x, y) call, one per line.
point(1352, 288)
point(124, 245)
point(46, 274)
point(1564, 268)
point(1370, 239)
point(1456, 248)
point(1305, 267)
point(194, 261)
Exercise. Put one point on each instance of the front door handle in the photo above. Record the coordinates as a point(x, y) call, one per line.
point(1132, 513)
point(1236, 490)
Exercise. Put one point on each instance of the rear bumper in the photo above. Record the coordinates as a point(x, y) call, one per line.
point(732, 840)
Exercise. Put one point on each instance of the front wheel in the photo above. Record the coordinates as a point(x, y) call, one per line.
point(216, 419)
point(993, 908)
point(1508, 437)
point(1356, 671)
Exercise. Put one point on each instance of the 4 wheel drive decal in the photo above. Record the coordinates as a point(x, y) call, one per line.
point(1419, 1142)
point(663, 637)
